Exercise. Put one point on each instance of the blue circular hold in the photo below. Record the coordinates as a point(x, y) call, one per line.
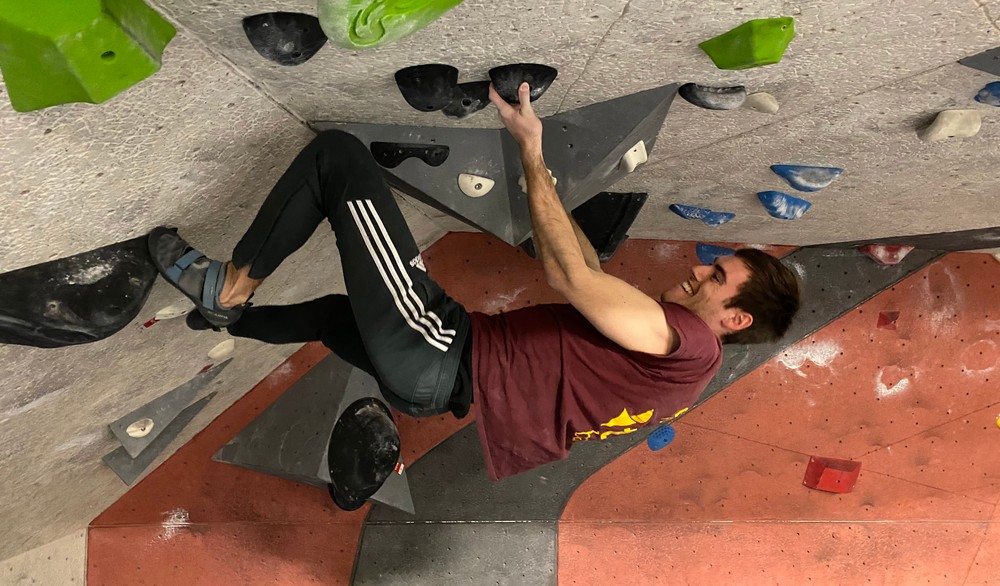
point(660, 438)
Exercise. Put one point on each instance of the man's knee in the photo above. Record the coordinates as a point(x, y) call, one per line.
point(339, 140)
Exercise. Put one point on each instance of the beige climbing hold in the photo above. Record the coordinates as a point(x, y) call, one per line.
point(176, 310)
point(140, 428)
point(762, 102)
point(524, 182)
point(952, 124)
point(222, 350)
point(474, 185)
point(634, 157)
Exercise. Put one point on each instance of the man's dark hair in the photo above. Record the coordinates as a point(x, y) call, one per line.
point(770, 295)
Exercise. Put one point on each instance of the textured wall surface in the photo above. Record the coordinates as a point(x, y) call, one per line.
point(196, 146)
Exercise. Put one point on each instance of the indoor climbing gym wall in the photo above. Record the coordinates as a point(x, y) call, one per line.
point(856, 142)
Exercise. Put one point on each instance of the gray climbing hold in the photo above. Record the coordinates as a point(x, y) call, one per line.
point(714, 98)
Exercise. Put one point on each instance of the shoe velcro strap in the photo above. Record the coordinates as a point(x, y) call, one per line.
point(174, 272)
point(210, 289)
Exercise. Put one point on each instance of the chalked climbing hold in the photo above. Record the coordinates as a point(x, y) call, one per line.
point(806, 177)
point(391, 154)
point(990, 94)
point(885, 254)
point(363, 24)
point(713, 98)
point(705, 215)
point(428, 87)
point(507, 78)
point(762, 102)
point(783, 206)
point(364, 451)
point(287, 38)
point(707, 253)
point(470, 98)
point(474, 185)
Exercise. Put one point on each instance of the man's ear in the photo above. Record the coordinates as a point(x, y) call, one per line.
point(738, 320)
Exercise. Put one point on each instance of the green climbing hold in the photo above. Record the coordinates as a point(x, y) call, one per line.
point(752, 44)
point(362, 24)
point(56, 52)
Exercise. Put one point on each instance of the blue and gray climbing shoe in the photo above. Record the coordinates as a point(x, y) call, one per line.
point(193, 274)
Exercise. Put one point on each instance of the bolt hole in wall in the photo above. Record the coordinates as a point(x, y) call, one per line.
point(108, 55)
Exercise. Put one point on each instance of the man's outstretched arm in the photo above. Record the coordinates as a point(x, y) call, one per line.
point(619, 311)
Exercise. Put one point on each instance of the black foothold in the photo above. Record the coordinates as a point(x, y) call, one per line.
point(391, 154)
point(470, 98)
point(713, 98)
point(76, 299)
point(428, 87)
point(507, 78)
point(363, 452)
point(288, 38)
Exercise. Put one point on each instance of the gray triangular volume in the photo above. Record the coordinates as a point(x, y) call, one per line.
point(128, 469)
point(988, 61)
point(976, 239)
point(161, 411)
point(582, 147)
point(395, 493)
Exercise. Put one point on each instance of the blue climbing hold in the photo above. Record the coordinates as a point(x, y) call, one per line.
point(707, 253)
point(661, 438)
point(805, 177)
point(990, 94)
point(707, 216)
point(783, 206)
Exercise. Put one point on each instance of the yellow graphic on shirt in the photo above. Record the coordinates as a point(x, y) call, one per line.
point(675, 416)
point(621, 425)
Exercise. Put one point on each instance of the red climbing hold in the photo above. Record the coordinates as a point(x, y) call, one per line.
point(887, 320)
point(885, 254)
point(831, 474)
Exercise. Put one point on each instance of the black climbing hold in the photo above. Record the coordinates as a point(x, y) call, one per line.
point(470, 98)
point(391, 154)
point(363, 452)
point(428, 87)
point(288, 38)
point(713, 98)
point(76, 299)
point(507, 78)
point(605, 220)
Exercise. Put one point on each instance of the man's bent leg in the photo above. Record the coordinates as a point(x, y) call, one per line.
point(412, 331)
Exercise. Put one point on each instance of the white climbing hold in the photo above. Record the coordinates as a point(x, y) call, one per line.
point(762, 102)
point(140, 428)
point(634, 157)
point(952, 124)
point(474, 185)
point(222, 350)
point(524, 182)
point(176, 310)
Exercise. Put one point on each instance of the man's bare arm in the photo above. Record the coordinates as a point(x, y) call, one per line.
point(589, 254)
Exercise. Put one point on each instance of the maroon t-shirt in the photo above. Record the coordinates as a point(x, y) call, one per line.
point(544, 377)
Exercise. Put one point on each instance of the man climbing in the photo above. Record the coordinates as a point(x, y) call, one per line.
point(540, 377)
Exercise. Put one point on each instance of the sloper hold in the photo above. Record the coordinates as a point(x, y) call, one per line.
point(952, 124)
point(806, 177)
point(762, 102)
point(428, 87)
point(707, 216)
point(752, 44)
point(76, 299)
point(292, 438)
point(391, 154)
point(714, 98)
point(363, 452)
point(990, 94)
point(57, 52)
point(363, 24)
point(783, 206)
point(470, 98)
point(707, 253)
point(507, 78)
point(128, 469)
point(287, 38)
point(161, 411)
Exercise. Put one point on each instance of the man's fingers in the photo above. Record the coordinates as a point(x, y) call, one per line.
point(524, 95)
point(499, 102)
